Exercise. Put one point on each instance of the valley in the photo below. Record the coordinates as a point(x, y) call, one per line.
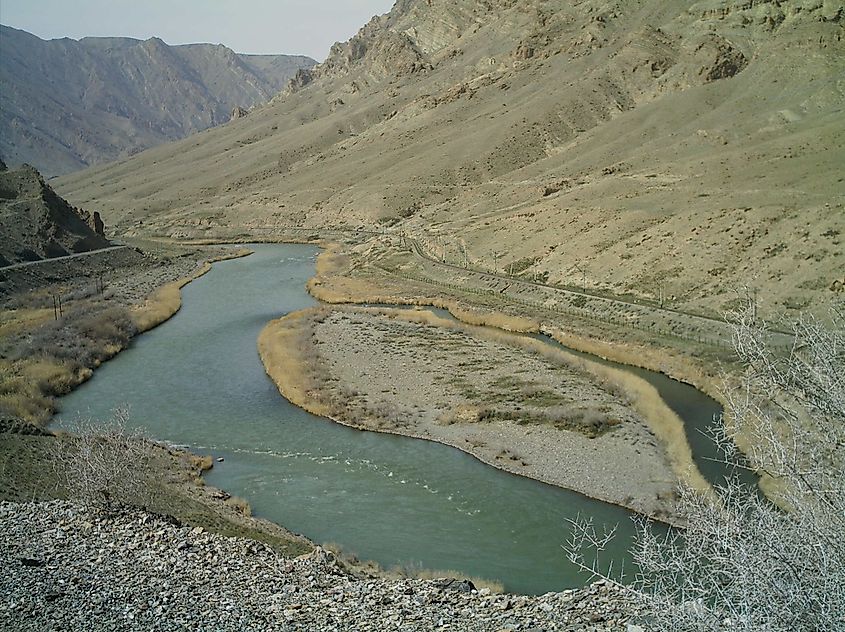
point(490, 279)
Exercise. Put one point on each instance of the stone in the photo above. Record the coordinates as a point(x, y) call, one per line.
point(239, 112)
point(98, 225)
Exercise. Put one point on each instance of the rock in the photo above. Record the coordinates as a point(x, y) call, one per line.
point(719, 58)
point(31, 562)
point(455, 585)
point(152, 574)
point(239, 112)
point(97, 224)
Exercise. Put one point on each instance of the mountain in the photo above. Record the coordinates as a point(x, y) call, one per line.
point(67, 104)
point(652, 145)
point(35, 223)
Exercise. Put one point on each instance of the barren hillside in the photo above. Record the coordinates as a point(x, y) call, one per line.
point(67, 104)
point(688, 148)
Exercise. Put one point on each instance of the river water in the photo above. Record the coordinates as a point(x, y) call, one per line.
point(197, 380)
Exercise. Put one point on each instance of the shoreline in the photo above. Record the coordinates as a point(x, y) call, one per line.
point(331, 259)
point(164, 302)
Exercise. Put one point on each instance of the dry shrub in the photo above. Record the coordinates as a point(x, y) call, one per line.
point(27, 404)
point(100, 464)
point(57, 355)
point(744, 564)
point(240, 505)
point(86, 335)
point(200, 463)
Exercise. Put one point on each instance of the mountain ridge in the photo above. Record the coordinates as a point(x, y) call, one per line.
point(662, 147)
point(67, 104)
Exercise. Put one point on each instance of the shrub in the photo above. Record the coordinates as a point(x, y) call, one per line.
point(743, 563)
point(101, 464)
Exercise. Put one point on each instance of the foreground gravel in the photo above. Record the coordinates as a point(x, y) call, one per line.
point(62, 568)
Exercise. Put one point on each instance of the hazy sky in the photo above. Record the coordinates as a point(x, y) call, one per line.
point(305, 27)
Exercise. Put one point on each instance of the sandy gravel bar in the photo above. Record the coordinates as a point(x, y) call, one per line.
point(541, 415)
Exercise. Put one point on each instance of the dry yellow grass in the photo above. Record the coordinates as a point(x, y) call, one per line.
point(662, 421)
point(28, 385)
point(15, 320)
point(645, 399)
point(280, 353)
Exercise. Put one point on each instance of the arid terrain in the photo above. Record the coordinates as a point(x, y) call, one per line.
point(617, 176)
point(510, 400)
point(666, 150)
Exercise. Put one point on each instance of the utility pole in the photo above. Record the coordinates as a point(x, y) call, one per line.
point(583, 272)
point(754, 304)
point(496, 256)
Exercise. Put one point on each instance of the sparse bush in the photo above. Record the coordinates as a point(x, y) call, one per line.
point(743, 563)
point(100, 464)
point(83, 337)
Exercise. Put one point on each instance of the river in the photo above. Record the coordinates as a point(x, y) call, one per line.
point(197, 380)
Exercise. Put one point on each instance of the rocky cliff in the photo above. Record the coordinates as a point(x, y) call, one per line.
point(67, 104)
point(35, 223)
point(674, 147)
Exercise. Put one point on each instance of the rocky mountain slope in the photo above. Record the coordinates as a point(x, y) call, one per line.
point(643, 147)
point(67, 104)
point(35, 223)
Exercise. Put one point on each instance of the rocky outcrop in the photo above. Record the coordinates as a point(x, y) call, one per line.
point(238, 112)
point(35, 223)
point(719, 58)
point(97, 224)
point(63, 568)
point(67, 104)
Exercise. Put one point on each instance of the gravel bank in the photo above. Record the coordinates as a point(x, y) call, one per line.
point(62, 568)
point(486, 392)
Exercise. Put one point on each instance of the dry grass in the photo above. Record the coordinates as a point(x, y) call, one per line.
point(662, 421)
point(165, 302)
point(489, 324)
point(50, 359)
point(280, 346)
point(42, 357)
point(14, 321)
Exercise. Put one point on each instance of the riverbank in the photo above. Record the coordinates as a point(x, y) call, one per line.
point(511, 402)
point(349, 274)
point(138, 571)
point(63, 350)
point(61, 320)
point(165, 480)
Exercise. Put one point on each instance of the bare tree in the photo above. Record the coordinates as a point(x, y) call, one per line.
point(746, 562)
point(101, 463)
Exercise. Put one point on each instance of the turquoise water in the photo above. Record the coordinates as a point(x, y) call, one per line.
point(197, 380)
